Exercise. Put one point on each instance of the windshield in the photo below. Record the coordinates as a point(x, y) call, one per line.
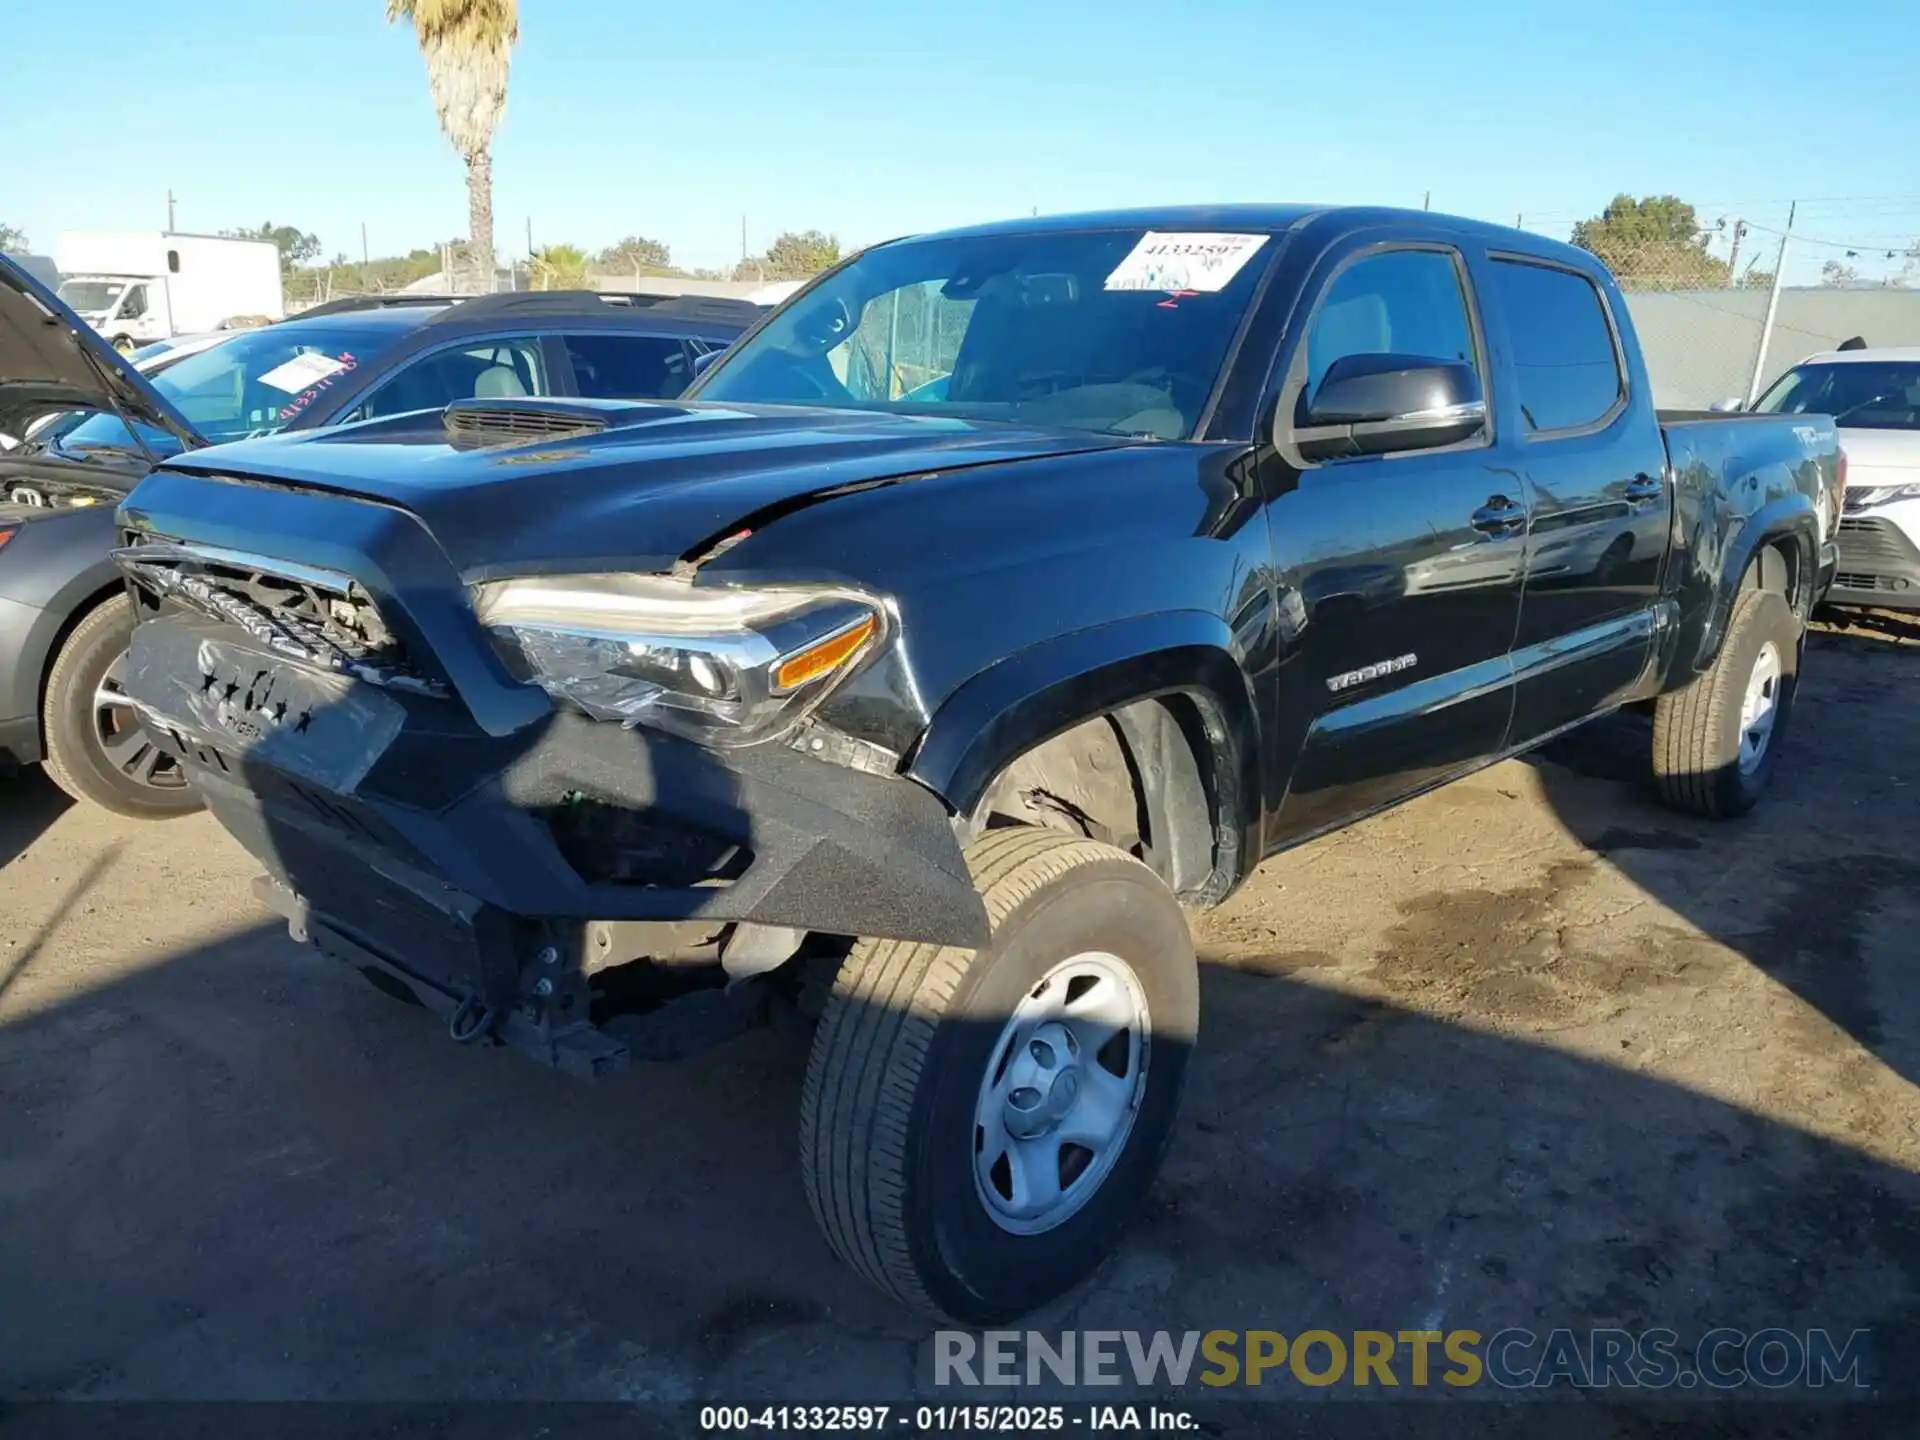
point(1112, 331)
point(88, 296)
point(1862, 395)
point(254, 384)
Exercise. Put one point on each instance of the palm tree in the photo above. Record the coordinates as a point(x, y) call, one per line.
point(465, 43)
point(560, 267)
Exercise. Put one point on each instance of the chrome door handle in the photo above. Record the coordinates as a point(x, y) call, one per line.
point(1643, 488)
point(1499, 516)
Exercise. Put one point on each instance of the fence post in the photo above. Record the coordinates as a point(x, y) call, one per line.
point(1773, 309)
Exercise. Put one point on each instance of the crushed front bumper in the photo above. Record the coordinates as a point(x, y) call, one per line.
point(398, 834)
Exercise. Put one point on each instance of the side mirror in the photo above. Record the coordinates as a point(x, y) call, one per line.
point(705, 362)
point(1726, 406)
point(1371, 404)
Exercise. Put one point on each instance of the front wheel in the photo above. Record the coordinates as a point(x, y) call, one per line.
point(1715, 743)
point(978, 1126)
point(96, 749)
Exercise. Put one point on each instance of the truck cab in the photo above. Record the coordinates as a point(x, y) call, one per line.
point(130, 310)
point(137, 287)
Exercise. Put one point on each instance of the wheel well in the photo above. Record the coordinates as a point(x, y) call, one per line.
point(1140, 777)
point(79, 612)
point(1775, 566)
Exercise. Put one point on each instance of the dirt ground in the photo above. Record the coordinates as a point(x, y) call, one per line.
point(1529, 1051)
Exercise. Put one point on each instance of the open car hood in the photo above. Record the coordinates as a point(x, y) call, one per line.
point(51, 360)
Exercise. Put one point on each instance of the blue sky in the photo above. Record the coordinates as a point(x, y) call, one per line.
point(875, 119)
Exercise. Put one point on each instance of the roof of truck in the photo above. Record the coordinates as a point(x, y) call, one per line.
point(1264, 219)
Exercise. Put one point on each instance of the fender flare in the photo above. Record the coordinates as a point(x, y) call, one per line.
point(1020, 702)
point(1790, 518)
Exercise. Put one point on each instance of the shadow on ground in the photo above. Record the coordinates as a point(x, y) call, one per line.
point(243, 1173)
point(29, 803)
point(1804, 902)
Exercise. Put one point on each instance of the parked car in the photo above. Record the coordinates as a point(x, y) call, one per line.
point(63, 618)
point(44, 432)
point(1874, 397)
point(596, 729)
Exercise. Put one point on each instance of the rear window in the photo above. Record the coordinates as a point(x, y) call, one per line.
point(1861, 395)
point(1563, 352)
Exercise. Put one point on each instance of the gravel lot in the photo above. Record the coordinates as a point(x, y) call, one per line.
point(1530, 1051)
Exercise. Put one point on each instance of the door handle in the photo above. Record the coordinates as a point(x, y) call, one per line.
point(1499, 516)
point(1644, 488)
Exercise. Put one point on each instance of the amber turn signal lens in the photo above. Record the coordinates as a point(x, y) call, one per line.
point(823, 657)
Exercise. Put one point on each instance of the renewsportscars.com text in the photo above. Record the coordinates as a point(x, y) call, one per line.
point(1511, 1359)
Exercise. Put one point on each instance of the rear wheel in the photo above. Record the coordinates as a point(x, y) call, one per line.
point(1715, 743)
point(96, 749)
point(978, 1126)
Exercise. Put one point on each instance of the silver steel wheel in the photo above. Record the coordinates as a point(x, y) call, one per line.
point(1759, 708)
point(1060, 1094)
point(122, 742)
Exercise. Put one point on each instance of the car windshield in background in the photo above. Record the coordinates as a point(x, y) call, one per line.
point(1110, 331)
point(253, 384)
point(87, 296)
point(1860, 395)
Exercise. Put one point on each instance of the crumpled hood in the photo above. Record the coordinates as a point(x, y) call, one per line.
point(662, 480)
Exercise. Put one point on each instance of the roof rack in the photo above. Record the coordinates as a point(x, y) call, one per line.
point(720, 308)
point(373, 302)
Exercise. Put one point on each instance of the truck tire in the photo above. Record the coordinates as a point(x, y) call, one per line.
point(95, 751)
point(1716, 741)
point(947, 1085)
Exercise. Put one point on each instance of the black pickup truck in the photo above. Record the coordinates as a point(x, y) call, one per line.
point(999, 595)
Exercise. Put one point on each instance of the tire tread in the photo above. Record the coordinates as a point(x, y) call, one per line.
point(857, 1101)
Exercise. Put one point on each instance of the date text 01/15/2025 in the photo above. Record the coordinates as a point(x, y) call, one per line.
point(943, 1419)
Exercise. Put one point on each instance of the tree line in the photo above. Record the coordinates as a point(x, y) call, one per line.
point(793, 255)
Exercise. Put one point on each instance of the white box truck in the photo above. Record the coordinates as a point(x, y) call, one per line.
point(139, 286)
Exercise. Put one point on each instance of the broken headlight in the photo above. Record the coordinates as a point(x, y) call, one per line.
point(721, 666)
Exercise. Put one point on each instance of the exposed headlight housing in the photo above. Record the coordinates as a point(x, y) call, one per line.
point(721, 666)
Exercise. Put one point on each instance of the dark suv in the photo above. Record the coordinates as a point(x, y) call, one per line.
point(63, 621)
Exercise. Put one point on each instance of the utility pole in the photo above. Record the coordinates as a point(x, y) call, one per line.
point(1733, 255)
point(1426, 201)
point(169, 211)
point(1773, 308)
point(743, 239)
point(529, 237)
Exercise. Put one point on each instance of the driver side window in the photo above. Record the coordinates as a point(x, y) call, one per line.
point(1399, 302)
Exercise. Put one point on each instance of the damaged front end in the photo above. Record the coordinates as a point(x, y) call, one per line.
point(610, 873)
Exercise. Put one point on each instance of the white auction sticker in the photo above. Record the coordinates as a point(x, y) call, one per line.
point(1197, 261)
point(302, 372)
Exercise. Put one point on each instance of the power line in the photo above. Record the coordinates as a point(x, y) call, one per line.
point(1892, 248)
